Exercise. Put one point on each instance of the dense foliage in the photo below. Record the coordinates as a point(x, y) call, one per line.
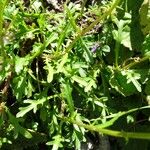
point(74, 70)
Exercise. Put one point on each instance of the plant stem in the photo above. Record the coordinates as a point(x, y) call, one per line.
point(123, 134)
point(117, 46)
point(136, 62)
point(99, 19)
point(2, 7)
point(100, 128)
point(1, 27)
point(82, 6)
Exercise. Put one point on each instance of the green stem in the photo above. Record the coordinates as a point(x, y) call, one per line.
point(117, 47)
point(82, 6)
point(100, 128)
point(103, 17)
point(2, 7)
point(37, 53)
point(136, 62)
point(123, 134)
point(99, 19)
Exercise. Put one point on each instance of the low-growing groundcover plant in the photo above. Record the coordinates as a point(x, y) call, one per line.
point(74, 70)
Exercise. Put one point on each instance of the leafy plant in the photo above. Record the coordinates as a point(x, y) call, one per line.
point(71, 71)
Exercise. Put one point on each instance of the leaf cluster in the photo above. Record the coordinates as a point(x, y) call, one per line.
point(73, 69)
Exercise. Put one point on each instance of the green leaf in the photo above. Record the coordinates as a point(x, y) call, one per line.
point(41, 21)
point(33, 106)
point(122, 35)
point(146, 46)
point(50, 70)
point(133, 77)
point(80, 80)
point(51, 38)
point(29, 88)
point(145, 16)
point(67, 94)
point(118, 115)
point(36, 5)
point(5, 65)
point(56, 142)
point(126, 41)
point(119, 81)
point(62, 36)
point(22, 85)
point(18, 128)
point(90, 85)
point(61, 64)
point(78, 136)
point(19, 85)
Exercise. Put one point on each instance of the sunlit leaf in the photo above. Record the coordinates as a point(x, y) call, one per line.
point(61, 64)
point(67, 94)
point(32, 106)
point(120, 82)
point(56, 143)
point(20, 63)
point(50, 71)
point(90, 85)
point(17, 126)
point(80, 80)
